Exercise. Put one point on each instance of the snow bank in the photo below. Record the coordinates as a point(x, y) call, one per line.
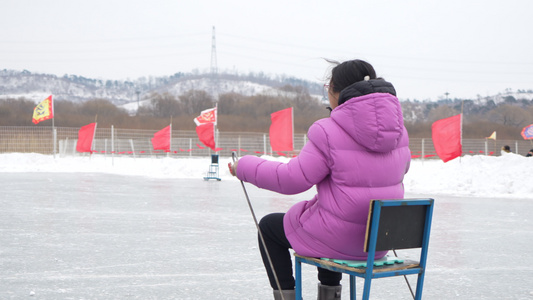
point(508, 176)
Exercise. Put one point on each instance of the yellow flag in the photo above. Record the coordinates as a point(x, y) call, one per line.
point(492, 136)
point(43, 111)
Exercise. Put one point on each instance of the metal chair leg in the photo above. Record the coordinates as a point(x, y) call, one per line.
point(366, 289)
point(298, 278)
point(352, 287)
point(419, 286)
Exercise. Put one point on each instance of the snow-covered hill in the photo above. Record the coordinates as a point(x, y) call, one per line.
point(131, 93)
point(36, 87)
point(33, 86)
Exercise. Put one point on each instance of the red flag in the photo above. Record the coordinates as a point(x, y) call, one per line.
point(43, 111)
point(161, 139)
point(281, 130)
point(85, 138)
point(205, 127)
point(446, 134)
point(207, 116)
point(206, 134)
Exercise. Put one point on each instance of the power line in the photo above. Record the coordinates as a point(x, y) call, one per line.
point(109, 40)
point(351, 53)
point(263, 46)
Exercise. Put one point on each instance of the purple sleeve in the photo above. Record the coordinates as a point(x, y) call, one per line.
point(296, 176)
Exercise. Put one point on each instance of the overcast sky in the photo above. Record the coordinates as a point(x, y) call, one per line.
point(425, 48)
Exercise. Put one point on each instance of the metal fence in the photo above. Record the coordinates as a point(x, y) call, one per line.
point(137, 143)
point(423, 148)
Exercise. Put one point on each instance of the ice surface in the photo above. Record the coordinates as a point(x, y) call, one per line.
point(79, 228)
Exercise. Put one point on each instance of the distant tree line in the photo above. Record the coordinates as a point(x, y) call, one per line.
point(479, 120)
point(236, 113)
point(239, 113)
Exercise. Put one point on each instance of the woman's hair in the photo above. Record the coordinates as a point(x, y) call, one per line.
point(349, 72)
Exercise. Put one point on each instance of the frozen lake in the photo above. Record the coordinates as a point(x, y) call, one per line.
point(104, 236)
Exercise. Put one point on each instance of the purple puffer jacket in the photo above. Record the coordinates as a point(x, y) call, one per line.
point(358, 154)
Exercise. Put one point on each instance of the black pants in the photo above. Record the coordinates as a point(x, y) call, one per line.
point(271, 227)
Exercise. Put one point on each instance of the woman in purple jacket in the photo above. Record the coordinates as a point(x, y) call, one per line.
point(361, 152)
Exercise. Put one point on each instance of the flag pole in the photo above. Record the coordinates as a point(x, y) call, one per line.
point(53, 112)
point(292, 120)
point(494, 144)
point(94, 134)
point(54, 133)
point(216, 121)
point(170, 138)
point(461, 127)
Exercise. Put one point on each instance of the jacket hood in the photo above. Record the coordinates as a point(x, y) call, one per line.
point(371, 114)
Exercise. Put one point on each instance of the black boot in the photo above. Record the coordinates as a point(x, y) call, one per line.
point(287, 294)
point(326, 292)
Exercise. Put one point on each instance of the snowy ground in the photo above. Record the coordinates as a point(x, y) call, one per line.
point(124, 228)
point(507, 176)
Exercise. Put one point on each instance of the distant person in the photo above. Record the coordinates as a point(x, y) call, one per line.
point(506, 149)
point(530, 153)
point(361, 152)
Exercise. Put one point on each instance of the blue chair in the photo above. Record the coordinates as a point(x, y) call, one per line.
point(212, 173)
point(392, 225)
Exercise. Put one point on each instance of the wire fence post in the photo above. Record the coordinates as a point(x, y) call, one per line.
point(112, 145)
point(55, 141)
point(264, 144)
point(423, 151)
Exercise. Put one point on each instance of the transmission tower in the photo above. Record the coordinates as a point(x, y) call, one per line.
point(214, 68)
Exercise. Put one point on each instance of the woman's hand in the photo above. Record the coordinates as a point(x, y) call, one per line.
point(233, 168)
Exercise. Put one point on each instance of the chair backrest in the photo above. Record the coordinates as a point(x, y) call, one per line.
point(398, 224)
point(214, 158)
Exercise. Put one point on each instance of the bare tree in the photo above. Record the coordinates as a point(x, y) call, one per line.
point(441, 112)
point(165, 105)
point(194, 101)
point(510, 115)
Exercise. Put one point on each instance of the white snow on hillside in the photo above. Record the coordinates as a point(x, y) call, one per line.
point(37, 87)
